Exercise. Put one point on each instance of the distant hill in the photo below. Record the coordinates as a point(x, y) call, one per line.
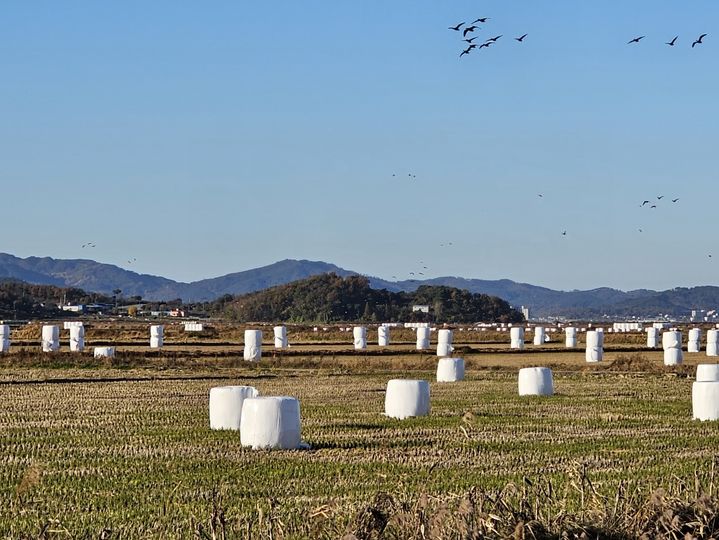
point(103, 278)
point(19, 300)
point(331, 298)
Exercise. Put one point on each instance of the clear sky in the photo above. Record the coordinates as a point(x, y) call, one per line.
point(208, 138)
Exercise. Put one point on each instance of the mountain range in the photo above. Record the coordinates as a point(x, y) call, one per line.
point(543, 302)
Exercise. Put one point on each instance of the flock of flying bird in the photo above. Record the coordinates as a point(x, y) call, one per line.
point(698, 41)
point(471, 28)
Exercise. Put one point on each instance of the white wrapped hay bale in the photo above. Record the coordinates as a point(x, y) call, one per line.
point(253, 345)
point(595, 346)
point(280, 333)
point(50, 338)
point(450, 370)
point(271, 423)
point(77, 338)
point(652, 338)
point(157, 336)
point(705, 400)
point(359, 334)
point(4, 338)
point(539, 335)
point(406, 398)
point(694, 343)
point(570, 337)
point(516, 338)
point(672, 344)
point(226, 405)
point(445, 336)
point(707, 372)
point(444, 349)
point(383, 336)
point(536, 381)
point(713, 343)
point(104, 352)
point(422, 338)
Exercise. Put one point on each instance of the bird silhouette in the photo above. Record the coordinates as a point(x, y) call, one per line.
point(699, 40)
point(480, 20)
point(640, 230)
point(521, 38)
point(493, 39)
point(456, 28)
point(660, 197)
point(672, 42)
point(636, 40)
point(564, 233)
point(470, 40)
point(486, 44)
point(675, 200)
point(653, 206)
point(469, 30)
point(645, 202)
point(465, 51)
point(540, 195)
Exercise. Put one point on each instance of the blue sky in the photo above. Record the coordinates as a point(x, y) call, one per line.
point(203, 139)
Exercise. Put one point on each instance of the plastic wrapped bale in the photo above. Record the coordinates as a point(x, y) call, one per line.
point(705, 400)
point(516, 338)
point(713, 343)
point(707, 372)
point(104, 352)
point(445, 336)
point(77, 338)
point(271, 423)
point(672, 344)
point(157, 336)
point(226, 405)
point(253, 345)
point(536, 381)
point(444, 349)
point(450, 370)
point(695, 338)
point(405, 398)
point(280, 333)
point(4, 338)
point(652, 338)
point(383, 336)
point(50, 338)
point(539, 335)
point(422, 338)
point(595, 346)
point(570, 337)
point(359, 334)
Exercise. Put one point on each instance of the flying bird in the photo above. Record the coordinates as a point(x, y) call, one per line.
point(653, 206)
point(493, 39)
point(564, 233)
point(660, 197)
point(480, 20)
point(540, 195)
point(641, 230)
point(470, 40)
point(672, 42)
point(465, 51)
point(486, 44)
point(469, 30)
point(675, 200)
point(699, 40)
point(521, 38)
point(636, 40)
point(644, 202)
point(456, 28)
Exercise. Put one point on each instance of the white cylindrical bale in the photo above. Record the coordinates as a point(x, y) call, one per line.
point(672, 344)
point(444, 349)
point(253, 345)
point(539, 335)
point(536, 381)
point(4, 338)
point(450, 370)
point(226, 405)
point(516, 338)
point(280, 333)
point(713, 342)
point(359, 334)
point(707, 372)
point(570, 337)
point(50, 338)
point(652, 338)
point(104, 352)
point(422, 338)
point(445, 336)
point(383, 336)
point(157, 336)
point(406, 398)
point(694, 342)
point(77, 338)
point(595, 346)
point(705, 400)
point(271, 423)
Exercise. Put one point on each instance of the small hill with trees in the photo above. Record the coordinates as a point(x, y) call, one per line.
point(20, 300)
point(332, 298)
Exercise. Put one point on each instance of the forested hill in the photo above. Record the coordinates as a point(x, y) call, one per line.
point(329, 297)
point(19, 300)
